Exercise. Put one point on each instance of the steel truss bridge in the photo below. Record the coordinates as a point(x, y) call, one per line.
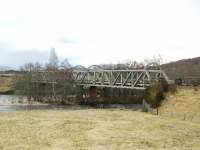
point(113, 78)
point(129, 79)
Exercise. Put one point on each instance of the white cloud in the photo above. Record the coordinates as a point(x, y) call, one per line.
point(103, 31)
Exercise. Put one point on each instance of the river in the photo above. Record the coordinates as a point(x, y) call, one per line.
point(12, 99)
point(9, 103)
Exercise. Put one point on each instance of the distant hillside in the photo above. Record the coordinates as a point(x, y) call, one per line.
point(186, 68)
point(4, 68)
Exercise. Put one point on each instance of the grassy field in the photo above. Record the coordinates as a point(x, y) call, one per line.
point(184, 104)
point(97, 129)
point(6, 83)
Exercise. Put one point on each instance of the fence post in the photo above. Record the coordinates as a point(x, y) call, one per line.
point(147, 106)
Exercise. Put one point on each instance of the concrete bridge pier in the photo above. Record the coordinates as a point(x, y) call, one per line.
point(106, 92)
point(93, 92)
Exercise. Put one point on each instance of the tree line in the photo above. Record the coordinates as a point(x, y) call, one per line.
point(47, 83)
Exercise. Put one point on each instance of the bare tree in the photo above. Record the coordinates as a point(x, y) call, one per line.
point(52, 68)
point(24, 82)
point(53, 59)
point(156, 59)
point(65, 64)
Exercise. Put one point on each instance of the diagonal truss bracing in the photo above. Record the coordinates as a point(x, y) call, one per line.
point(133, 79)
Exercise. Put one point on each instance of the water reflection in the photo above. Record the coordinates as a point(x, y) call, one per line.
point(12, 99)
point(9, 103)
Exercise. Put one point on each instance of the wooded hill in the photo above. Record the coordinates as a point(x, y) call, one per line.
point(184, 69)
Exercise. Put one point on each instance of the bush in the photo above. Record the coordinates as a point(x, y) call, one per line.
point(156, 93)
point(173, 89)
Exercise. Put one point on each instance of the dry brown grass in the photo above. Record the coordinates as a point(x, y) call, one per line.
point(6, 83)
point(184, 104)
point(95, 129)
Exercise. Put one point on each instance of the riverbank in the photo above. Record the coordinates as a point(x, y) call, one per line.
point(95, 129)
point(12, 103)
point(183, 104)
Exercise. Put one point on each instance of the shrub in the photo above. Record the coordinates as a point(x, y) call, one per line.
point(156, 93)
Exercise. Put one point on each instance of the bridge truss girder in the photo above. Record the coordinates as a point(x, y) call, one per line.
point(130, 79)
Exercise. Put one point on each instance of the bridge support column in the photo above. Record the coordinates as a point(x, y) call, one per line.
point(106, 92)
point(93, 92)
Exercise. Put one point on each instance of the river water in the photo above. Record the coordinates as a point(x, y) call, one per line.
point(9, 103)
point(12, 99)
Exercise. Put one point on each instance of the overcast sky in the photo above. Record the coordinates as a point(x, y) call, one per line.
point(98, 31)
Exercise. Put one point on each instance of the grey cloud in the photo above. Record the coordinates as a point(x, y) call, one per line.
point(15, 59)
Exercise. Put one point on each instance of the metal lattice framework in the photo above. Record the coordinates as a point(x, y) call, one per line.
point(96, 76)
point(132, 79)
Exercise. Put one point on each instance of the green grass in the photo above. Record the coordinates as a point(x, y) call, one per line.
point(91, 129)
